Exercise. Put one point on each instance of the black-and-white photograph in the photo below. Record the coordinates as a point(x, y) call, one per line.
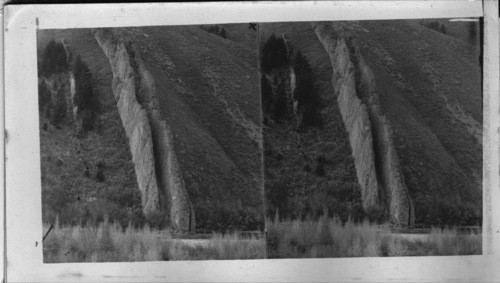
point(364, 139)
point(151, 144)
point(261, 141)
point(372, 138)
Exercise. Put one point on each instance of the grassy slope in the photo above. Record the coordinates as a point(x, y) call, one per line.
point(312, 193)
point(441, 160)
point(219, 167)
point(416, 68)
point(220, 163)
point(65, 189)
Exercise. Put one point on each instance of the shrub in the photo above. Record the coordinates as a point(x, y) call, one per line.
point(321, 159)
point(320, 170)
point(307, 168)
point(100, 175)
point(377, 214)
point(435, 25)
point(101, 164)
point(157, 220)
point(215, 29)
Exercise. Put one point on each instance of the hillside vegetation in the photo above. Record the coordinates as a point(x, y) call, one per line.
point(308, 163)
point(207, 88)
point(87, 172)
point(427, 83)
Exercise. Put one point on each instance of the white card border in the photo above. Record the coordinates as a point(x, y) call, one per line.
point(23, 210)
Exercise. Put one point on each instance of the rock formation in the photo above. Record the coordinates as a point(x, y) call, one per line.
point(150, 138)
point(370, 135)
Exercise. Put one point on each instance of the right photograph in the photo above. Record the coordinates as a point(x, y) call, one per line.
point(372, 138)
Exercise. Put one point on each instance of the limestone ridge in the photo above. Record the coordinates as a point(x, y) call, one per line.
point(370, 134)
point(150, 139)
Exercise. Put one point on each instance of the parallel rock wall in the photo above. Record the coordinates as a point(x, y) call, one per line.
point(150, 138)
point(370, 134)
point(354, 114)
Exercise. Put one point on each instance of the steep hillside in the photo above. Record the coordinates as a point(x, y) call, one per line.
point(208, 93)
point(309, 172)
point(189, 103)
point(406, 99)
point(86, 176)
point(430, 90)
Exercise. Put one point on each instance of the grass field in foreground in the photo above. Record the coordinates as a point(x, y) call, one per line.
point(328, 237)
point(109, 243)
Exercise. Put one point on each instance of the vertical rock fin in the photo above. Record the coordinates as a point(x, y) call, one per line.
point(370, 134)
point(150, 139)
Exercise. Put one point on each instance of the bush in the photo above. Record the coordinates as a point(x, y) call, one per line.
point(377, 214)
point(437, 27)
point(100, 175)
point(101, 164)
point(215, 29)
point(157, 220)
point(320, 170)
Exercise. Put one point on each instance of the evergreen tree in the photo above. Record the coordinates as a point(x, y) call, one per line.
point(44, 95)
point(280, 106)
point(85, 98)
point(54, 59)
point(305, 93)
point(59, 110)
point(267, 94)
point(274, 54)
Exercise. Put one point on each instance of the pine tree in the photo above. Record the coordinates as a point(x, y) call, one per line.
point(305, 93)
point(54, 59)
point(274, 54)
point(85, 98)
point(59, 110)
point(44, 95)
point(280, 106)
point(267, 94)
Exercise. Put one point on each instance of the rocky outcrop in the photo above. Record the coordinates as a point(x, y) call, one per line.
point(158, 173)
point(354, 114)
point(370, 134)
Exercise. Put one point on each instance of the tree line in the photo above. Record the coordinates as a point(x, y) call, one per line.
point(55, 61)
point(277, 61)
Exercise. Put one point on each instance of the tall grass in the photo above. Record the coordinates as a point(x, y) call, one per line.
point(329, 237)
point(109, 242)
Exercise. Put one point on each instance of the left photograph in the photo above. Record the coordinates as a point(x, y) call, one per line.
point(151, 144)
